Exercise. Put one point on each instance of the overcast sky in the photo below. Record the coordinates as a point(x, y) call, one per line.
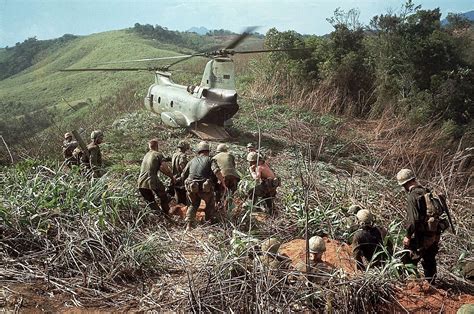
point(45, 19)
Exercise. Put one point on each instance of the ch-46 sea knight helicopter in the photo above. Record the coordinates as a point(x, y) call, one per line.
point(203, 109)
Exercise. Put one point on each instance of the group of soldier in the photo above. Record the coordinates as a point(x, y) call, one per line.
point(214, 178)
point(203, 178)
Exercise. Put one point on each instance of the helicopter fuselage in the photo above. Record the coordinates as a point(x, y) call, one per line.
point(214, 101)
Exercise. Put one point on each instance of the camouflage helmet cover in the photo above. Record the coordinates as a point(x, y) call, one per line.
point(317, 245)
point(67, 135)
point(202, 146)
point(365, 217)
point(183, 144)
point(222, 148)
point(270, 245)
point(404, 176)
point(96, 134)
point(353, 209)
point(252, 156)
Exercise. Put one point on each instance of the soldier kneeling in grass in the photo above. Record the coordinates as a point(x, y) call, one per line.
point(368, 241)
point(318, 271)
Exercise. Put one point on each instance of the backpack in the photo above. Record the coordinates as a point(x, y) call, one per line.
point(435, 207)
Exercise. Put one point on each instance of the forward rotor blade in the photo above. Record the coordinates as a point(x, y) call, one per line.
point(149, 59)
point(271, 50)
point(109, 69)
point(241, 37)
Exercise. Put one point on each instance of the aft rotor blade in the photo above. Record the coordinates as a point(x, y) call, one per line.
point(149, 59)
point(109, 69)
point(271, 50)
point(241, 37)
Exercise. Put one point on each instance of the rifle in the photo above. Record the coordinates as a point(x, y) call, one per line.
point(446, 210)
point(81, 143)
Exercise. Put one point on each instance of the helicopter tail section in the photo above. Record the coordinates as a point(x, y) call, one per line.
point(209, 132)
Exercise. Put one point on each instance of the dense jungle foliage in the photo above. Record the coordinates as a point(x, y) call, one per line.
point(405, 63)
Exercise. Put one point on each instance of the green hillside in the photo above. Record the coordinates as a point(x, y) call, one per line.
point(43, 85)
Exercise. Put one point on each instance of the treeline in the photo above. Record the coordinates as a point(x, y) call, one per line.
point(27, 53)
point(406, 63)
point(182, 39)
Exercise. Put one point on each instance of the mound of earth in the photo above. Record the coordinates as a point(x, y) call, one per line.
point(421, 297)
point(337, 255)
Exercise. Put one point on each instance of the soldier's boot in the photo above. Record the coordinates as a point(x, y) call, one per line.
point(191, 217)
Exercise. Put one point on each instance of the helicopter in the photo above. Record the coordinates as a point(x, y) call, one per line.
point(203, 109)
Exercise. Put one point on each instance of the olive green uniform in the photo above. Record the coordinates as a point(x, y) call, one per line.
point(179, 161)
point(367, 242)
point(226, 162)
point(68, 149)
point(93, 163)
point(199, 177)
point(318, 272)
point(148, 182)
point(424, 244)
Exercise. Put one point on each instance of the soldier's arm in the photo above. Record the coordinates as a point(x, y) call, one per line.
point(253, 172)
point(357, 252)
point(217, 171)
point(412, 215)
point(185, 172)
point(183, 161)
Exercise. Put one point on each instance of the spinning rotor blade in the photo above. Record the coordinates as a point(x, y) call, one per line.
point(241, 37)
point(110, 69)
point(149, 59)
point(270, 50)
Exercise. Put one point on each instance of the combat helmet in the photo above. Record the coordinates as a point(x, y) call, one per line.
point(404, 176)
point(202, 146)
point(96, 134)
point(250, 145)
point(354, 209)
point(365, 217)
point(270, 246)
point(222, 148)
point(317, 245)
point(67, 135)
point(252, 156)
point(183, 145)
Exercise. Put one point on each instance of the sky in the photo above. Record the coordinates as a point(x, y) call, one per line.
point(46, 19)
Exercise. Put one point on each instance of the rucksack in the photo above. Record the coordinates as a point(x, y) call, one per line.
point(435, 207)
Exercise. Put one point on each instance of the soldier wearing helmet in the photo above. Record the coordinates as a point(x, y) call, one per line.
point(317, 271)
point(226, 162)
point(251, 148)
point(148, 182)
point(269, 258)
point(422, 244)
point(266, 181)
point(179, 161)
point(368, 241)
point(93, 161)
point(349, 223)
point(200, 176)
point(68, 147)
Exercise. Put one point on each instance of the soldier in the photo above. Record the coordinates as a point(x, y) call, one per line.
point(199, 177)
point(178, 163)
point(422, 236)
point(68, 147)
point(148, 181)
point(318, 270)
point(270, 258)
point(267, 182)
point(251, 148)
point(93, 162)
point(368, 241)
point(226, 162)
point(349, 224)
